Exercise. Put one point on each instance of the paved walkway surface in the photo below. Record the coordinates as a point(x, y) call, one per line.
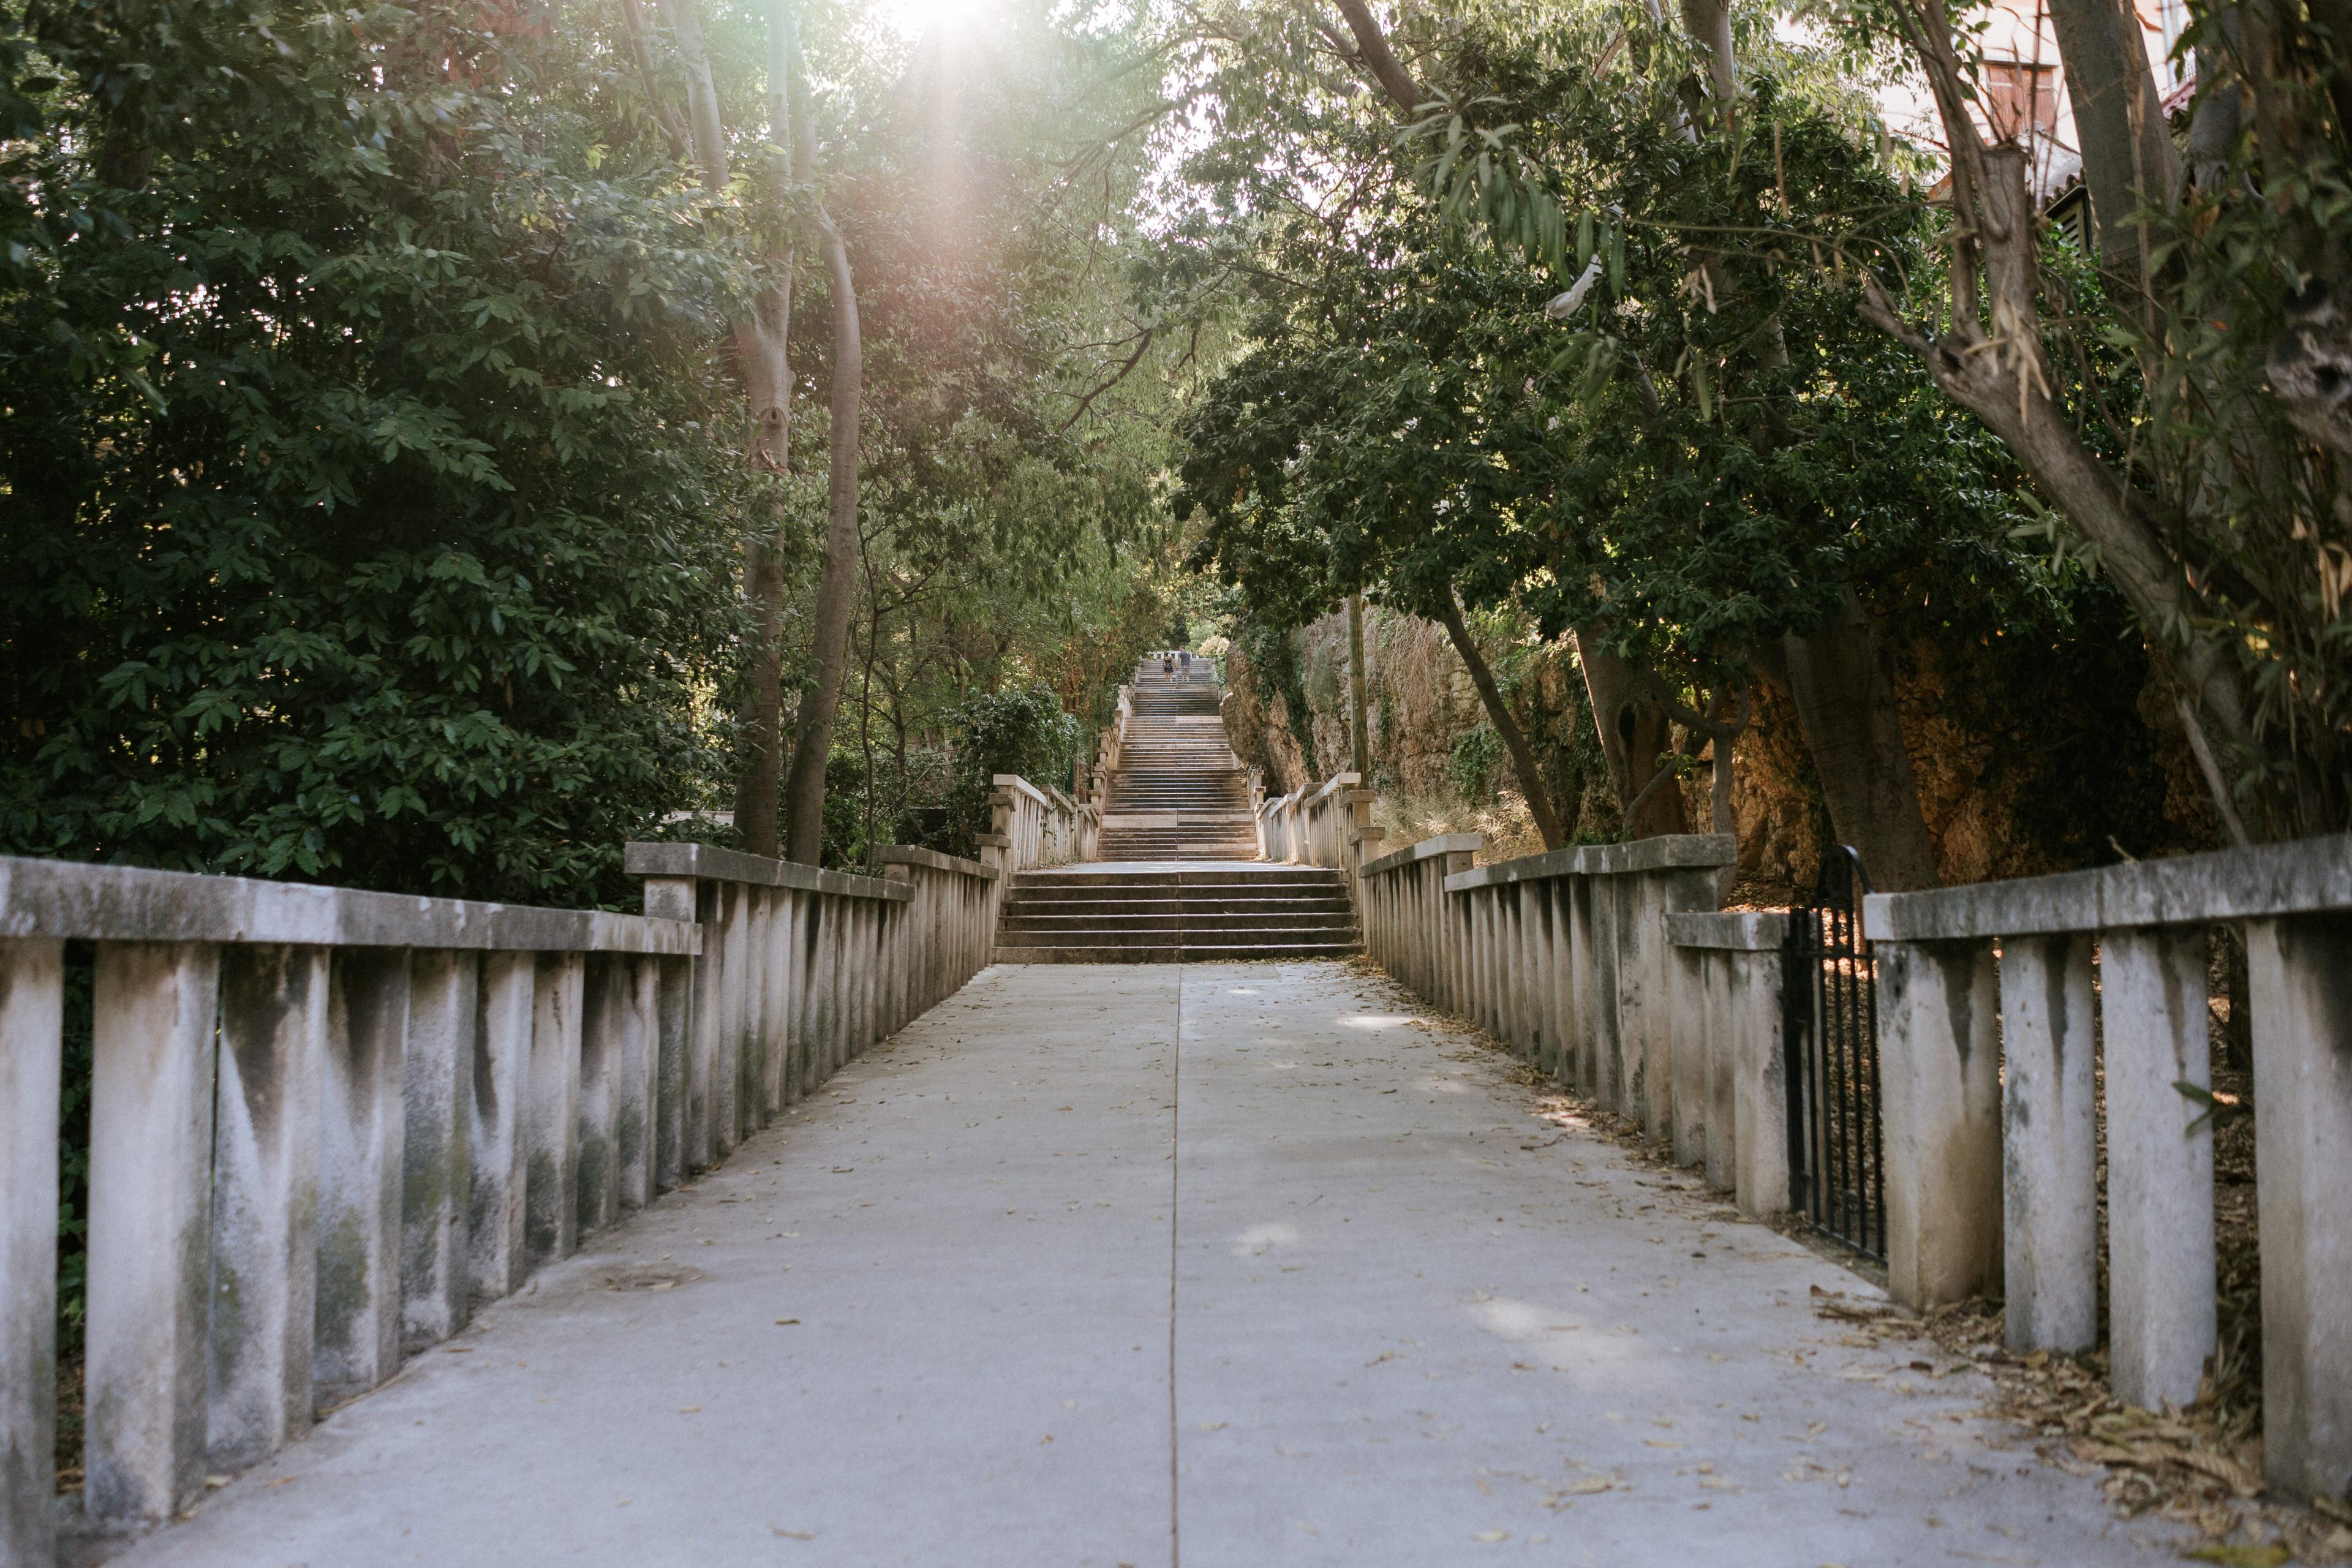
point(1226, 1265)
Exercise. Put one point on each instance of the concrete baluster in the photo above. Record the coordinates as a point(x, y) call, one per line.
point(709, 1016)
point(358, 1172)
point(149, 1246)
point(1518, 962)
point(498, 1151)
point(2301, 974)
point(1482, 907)
point(2050, 1178)
point(1613, 961)
point(757, 1104)
point(807, 1007)
point(1558, 1001)
point(1939, 1086)
point(606, 996)
point(1543, 973)
point(776, 1006)
point(672, 898)
point(836, 986)
point(551, 1112)
point(436, 1166)
point(673, 1052)
point(1728, 984)
point(1657, 1104)
point(1584, 995)
point(793, 1029)
point(1688, 1006)
point(734, 942)
point(32, 1048)
point(637, 1084)
point(264, 1180)
point(1759, 1137)
point(2161, 1317)
point(869, 929)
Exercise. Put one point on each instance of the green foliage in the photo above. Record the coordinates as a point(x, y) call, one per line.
point(1477, 763)
point(353, 534)
point(1019, 729)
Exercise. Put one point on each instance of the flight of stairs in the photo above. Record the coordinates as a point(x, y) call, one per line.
point(1179, 793)
point(1180, 881)
point(1113, 913)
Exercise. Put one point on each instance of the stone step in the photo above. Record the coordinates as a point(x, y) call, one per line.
point(1185, 954)
point(1242, 875)
point(1050, 931)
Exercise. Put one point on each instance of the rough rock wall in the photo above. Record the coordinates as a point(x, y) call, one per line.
point(1984, 742)
point(1421, 702)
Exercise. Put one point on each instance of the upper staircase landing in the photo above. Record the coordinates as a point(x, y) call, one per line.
point(1179, 793)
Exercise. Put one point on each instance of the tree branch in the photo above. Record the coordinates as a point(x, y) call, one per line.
point(1378, 58)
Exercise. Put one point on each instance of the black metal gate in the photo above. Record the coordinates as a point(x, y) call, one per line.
point(1829, 1031)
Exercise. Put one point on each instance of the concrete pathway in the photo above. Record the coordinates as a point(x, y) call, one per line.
point(964, 1309)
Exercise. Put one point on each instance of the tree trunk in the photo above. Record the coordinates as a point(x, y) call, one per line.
point(1359, 718)
point(1515, 739)
point(805, 791)
point(763, 360)
point(2127, 152)
point(759, 722)
point(1843, 684)
point(1635, 734)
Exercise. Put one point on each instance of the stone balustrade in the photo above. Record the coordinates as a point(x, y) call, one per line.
point(326, 1123)
point(1111, 744)
point(2008, 1011)
point(1035, 826)
point(1327, 824)
point(1563, 956)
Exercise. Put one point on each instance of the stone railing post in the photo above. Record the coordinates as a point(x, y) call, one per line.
point(2301, 974)
point(1939, 1089)
point(1728, 1046)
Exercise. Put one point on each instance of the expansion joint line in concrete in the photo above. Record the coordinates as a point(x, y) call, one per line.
point(1175, 1175)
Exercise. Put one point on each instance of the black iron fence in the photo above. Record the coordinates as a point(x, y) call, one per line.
point(1830, 1035)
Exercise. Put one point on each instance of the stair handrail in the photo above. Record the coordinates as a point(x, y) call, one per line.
point(1033, 826)
point(1112, 743)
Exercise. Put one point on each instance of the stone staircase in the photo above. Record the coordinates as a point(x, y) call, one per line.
point(1179, 793)
point(1113, 912)
point(1178, 880)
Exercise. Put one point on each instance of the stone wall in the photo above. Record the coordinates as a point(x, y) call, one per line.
point(1999, 751)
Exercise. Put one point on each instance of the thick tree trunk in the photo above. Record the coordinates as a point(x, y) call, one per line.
point(763, 360)
point(1635, 734)
point(2127, 152)
point(759, 722)
point(1843, 687)
point(1515, 739)
point(838, 587)
point(1359, 730)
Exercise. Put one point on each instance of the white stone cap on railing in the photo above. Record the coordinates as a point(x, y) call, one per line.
point(916, 855)
point(2269, 879)
point(1330, 787)
point(73, 899)
point(710, 863)
point(1048, 798)
point(1427, 849)
point(1668, 852)
point(1738, 931)
point(1266, 808)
